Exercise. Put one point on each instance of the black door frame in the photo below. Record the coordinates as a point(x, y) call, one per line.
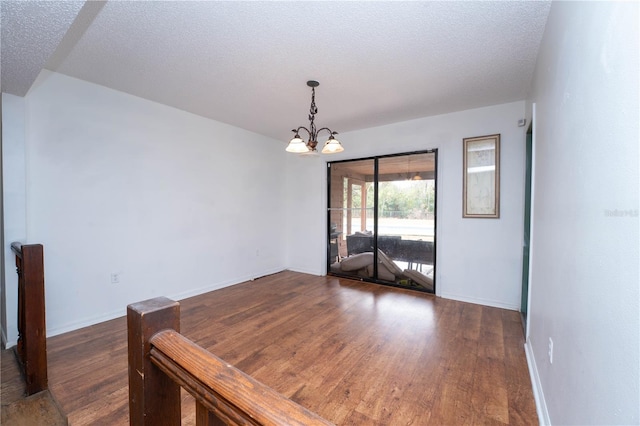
point(375, 214)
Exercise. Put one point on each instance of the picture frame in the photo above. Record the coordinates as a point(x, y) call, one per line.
point(481, 177)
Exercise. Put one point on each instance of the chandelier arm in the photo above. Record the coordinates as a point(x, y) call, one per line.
point(302, 128)
point(328, 130)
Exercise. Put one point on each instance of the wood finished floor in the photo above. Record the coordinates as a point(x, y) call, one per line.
point(353, 352)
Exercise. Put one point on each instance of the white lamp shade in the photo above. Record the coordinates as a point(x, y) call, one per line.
point(332, 146)
point(297, 145)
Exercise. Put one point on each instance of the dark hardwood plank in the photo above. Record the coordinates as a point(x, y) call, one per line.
point(353, 352)
point(13, 387)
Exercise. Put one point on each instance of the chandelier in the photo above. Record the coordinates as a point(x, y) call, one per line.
point(298, 145)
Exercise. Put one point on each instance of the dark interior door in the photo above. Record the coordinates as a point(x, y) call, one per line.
point(527, 228)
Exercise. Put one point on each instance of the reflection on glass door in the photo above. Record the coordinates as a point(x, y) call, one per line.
point(406, 220)
point(388, 236)
point(350, 211)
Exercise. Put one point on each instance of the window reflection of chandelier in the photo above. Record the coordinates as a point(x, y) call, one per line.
point(416, 176)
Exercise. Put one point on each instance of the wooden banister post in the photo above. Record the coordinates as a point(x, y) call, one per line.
point(154, 399)
point(32, 329)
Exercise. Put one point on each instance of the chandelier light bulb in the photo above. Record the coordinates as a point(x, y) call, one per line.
point(297, 145)
point(332, 146)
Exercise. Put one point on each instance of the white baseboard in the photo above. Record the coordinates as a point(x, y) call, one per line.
point(480, 301)
point(86, 322)
point(317, 273)
point(72, 326)
point(538, 394)
point(223, 284)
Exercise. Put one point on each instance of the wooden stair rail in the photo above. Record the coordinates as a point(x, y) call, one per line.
point(161, 360)
point(32, 332)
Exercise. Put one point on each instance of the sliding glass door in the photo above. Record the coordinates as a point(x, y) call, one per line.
point(382, 219)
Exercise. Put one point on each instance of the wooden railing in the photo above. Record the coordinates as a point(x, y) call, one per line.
point(32, 332)
point(161, 360)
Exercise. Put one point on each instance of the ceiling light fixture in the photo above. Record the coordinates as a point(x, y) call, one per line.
point(298, 145)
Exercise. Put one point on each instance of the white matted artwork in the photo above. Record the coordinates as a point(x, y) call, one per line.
point(481, 177)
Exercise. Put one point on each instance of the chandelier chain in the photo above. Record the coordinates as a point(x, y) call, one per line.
point(313, 110)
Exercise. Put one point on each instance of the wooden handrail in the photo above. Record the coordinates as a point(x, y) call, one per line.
point(161, 360)
point(32, 336)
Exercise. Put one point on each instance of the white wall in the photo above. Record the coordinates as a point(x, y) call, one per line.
point(14, 201)
point(174, 203)
point(306, 230)
point(585, 271)
point(478, 260)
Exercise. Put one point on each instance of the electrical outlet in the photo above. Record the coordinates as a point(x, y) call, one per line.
point(115, 278)
point(550, 350)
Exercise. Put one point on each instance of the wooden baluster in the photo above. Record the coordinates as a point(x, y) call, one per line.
point(204, 417)
point(154, 398)
point(20, 344)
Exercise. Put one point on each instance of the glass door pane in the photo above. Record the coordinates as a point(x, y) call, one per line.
point(351, 217)
point(406, 220)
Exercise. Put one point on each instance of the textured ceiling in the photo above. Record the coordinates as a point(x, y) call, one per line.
point(246, 63)
point(31, 31)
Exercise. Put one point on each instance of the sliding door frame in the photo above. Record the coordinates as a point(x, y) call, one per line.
point(375, 213)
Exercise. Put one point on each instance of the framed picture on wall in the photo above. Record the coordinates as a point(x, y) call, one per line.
point(481, 177)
